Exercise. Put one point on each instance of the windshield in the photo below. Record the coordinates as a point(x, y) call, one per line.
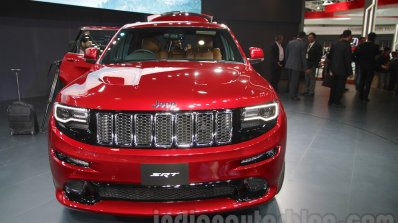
point(172, 43)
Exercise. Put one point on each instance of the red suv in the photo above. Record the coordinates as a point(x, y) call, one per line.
point(172, 118)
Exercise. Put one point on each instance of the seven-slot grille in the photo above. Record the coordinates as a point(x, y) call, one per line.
point(164, 130)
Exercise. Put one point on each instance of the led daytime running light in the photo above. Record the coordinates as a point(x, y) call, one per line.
point(82, 114)
point(259, 117)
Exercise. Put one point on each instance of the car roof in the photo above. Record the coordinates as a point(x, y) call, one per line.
point(180, 16)
point(175, 24)
point(179, 19)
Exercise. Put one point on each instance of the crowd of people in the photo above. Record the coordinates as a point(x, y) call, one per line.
point(301, 56)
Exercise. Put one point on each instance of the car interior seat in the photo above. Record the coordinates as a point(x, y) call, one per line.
point(204, 49)
point(175, 50)
point(153, 45)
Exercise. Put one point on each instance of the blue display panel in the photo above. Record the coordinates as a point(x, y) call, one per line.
point(144, 6)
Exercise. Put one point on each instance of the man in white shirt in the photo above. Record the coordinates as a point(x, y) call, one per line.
point(277, 61)
point(313, 56)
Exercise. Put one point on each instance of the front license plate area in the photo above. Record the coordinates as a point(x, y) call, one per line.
point(164, 174)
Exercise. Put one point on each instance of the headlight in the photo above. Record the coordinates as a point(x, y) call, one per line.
point(71, 116)
point(259, 115)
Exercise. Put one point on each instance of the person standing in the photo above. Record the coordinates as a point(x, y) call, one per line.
point(394, 73)
point(365, 55)
point(357, 77)
point(314, 55)
point(340, 66)
point(277, 61)
point(295, 63)
point(382, 64)
point(85, 43)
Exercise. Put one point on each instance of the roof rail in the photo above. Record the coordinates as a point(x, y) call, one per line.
point(180, 16)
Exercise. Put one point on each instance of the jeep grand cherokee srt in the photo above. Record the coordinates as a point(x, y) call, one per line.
point(172, 118)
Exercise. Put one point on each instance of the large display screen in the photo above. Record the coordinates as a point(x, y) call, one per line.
point(143, 6)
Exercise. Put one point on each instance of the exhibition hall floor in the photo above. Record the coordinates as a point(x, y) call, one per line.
point(340, 162)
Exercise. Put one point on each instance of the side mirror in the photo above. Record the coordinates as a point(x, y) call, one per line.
point(91, 54)
point(256, 55)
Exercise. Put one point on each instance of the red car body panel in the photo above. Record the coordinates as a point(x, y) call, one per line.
point(192, 86)
point(131, 88)
point(72, 66)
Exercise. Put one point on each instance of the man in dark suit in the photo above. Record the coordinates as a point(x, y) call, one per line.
point(295, 63)
point(314, 55)
point(365, 55)
point(394, 72)
point(357, 70)
point(277, 60)
point(340, 65)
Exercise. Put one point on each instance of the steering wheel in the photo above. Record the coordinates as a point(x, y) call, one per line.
point(144, 51)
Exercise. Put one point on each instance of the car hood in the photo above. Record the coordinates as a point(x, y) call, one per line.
point(179, 86)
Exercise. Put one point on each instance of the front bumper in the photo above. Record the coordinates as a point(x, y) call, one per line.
point(111, 166)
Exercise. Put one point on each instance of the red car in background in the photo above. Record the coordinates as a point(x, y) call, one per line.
point(73, 64)
point(172, 118)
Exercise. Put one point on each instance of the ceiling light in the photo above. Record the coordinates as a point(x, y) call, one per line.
point(346, 18)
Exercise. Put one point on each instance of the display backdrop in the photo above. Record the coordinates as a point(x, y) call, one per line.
point(146, 6)
point(34, 34)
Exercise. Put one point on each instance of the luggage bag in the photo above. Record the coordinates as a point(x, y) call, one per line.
point(21, 116)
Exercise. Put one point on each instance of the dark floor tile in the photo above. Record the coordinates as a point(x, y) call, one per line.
point(303, 197)
point(26, 195)
point(326, 170)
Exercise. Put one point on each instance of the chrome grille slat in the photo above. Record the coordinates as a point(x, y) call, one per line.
point(164, 130)
point(204, 129)
point(184, 126)
point(124, 130)
point(105, 128)
point(143, 130)
point(223, 127)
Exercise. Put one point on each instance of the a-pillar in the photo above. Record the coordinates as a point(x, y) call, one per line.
point(369, 16)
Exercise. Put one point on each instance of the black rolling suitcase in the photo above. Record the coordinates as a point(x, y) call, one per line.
point(21, 116)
